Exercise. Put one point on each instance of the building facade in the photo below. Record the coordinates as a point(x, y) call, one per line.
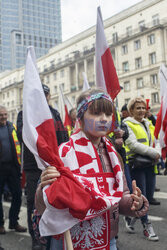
point(24, 23)
point(137, 38)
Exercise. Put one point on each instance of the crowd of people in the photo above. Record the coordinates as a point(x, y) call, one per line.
point(131, 144)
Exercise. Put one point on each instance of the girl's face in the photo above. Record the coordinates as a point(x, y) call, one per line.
point(96, 125)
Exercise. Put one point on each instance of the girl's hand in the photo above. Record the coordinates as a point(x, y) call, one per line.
point(49, 175)
point(137, 197)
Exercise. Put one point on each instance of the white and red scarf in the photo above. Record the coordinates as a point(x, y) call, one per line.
point(106, 189)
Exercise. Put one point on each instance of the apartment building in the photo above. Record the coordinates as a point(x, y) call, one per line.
point(137, 38)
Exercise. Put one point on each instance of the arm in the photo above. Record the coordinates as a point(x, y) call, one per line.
point(48, 176)
point(130, 205)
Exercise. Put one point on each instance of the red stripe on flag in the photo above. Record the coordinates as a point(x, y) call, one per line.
point(110, 74)
point(67, 120)
point(158, 123)
point(69, 191)
point(164, 127)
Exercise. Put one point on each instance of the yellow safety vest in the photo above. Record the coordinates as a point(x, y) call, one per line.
point(17, 144)
point(140, 134)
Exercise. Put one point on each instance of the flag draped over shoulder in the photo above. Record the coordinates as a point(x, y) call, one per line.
point(39, 136)
point(161, 122)
point(106, 76)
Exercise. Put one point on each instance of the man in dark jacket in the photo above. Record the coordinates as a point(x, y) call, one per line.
point(10, 171)
point(31, 170)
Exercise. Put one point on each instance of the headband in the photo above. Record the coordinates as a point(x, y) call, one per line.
point(83, 106)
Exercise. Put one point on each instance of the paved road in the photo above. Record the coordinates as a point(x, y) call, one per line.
point(158, 216)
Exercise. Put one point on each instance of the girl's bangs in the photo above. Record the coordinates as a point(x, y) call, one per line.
point(101, 106)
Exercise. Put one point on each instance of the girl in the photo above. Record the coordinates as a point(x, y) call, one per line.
point(89, 152)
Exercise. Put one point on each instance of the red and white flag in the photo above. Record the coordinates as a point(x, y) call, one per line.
point(106, 75)
point(66, 106)
point(161, 122)
point(39, 136)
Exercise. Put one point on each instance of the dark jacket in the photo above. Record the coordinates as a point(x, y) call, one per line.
point(29, 162)
point(15, 162)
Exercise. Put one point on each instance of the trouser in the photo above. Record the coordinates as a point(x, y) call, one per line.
point(12, 179)
point(32, 178)
point(128, 177)
point(145, 180)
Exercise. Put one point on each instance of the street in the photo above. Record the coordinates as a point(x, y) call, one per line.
point(126, 241)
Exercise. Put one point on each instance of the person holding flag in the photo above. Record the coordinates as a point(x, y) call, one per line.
point(90, 153)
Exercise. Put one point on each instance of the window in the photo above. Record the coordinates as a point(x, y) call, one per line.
point(155, 19)
point(151, 39)
point(152, 58)
point(124, 49)
point(115, 37)
point(154, 79)
point(126, 86)
point(137, 44)
point(47, 79)
point(125, 66)
point(55, 76)
point(18, 38)
point(142, 25)
point(140, 83)
point(3, 96)
point(55, 89)
point(155, 98)
point(62, 73)
point(138, 63)
point(129, 31)
point(127, 100)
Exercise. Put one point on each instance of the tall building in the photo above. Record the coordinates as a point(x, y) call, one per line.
point(24, 23)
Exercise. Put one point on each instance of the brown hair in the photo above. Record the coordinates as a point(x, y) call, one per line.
point(132, 103)
point(98, 105)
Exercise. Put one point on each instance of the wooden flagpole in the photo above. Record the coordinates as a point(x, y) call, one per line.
point(68, 240)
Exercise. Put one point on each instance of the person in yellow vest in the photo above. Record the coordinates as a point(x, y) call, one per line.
point(10, 171)
point(140, 141)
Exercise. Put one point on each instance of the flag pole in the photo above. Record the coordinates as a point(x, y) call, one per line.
point(68, 240)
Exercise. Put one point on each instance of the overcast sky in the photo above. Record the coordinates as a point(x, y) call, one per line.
point(79, 15)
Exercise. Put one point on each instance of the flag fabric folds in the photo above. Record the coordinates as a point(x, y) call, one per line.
point(106, 76)
point(161, 122)
point(39, 136)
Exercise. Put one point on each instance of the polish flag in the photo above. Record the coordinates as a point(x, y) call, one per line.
point(67, 106)
point(106, 76)
point(39, 136)
point(161, 122)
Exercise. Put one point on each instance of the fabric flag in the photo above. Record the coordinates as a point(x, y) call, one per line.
point(39, 136)
point(67, 105)
point(85, 83)
point(161, 122)
point(106, 76)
